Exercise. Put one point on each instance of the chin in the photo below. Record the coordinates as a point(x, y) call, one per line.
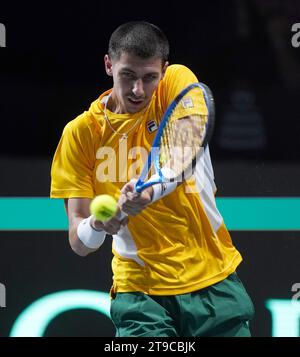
point(131, 108)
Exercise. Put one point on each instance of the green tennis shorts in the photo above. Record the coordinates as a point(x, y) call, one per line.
point(223, 309)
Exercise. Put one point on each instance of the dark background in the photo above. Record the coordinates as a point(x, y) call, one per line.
point(52, 69)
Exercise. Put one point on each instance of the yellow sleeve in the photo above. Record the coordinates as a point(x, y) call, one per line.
point(73, 163)
point(178, 77)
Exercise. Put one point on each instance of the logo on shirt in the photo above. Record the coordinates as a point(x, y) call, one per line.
point(151, 126)
point(187, 103)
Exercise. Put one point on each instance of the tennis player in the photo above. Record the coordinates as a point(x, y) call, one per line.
point(174, 264)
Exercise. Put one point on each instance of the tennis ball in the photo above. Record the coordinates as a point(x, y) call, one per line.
point(103, 207)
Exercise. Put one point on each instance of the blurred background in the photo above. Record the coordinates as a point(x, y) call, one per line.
point(52, 69)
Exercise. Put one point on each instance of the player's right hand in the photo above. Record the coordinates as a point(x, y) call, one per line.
point(131, 202)
point(111, 226)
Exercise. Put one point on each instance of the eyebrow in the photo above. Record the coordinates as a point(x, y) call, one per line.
point(126, 69)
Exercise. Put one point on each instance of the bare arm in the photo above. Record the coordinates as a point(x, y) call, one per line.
point(79, 208)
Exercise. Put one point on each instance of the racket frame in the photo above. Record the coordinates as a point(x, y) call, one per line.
point(153, 158)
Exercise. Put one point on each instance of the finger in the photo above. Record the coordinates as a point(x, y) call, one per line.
point(133, 211)
point(129, 203)
point(125, 221)
point(133, 196)
point(129, 187)
point(98, 224)
point(112, 223)
point(143, 200)
point(112, 229)
point(137, 202)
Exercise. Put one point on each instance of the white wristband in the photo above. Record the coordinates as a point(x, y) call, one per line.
point(89, 236)
point(162, 189)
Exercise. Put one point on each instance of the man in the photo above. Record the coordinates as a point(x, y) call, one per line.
point(174, 263)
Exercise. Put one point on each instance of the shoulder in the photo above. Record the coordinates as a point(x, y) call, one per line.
point(176, 78)
point(178, 70)
point(84, 124)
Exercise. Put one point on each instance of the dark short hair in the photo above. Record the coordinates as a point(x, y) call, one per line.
point(140, 38)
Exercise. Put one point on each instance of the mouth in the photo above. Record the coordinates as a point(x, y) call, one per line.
point(135, 102)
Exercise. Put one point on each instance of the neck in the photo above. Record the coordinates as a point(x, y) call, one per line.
point(112, 104)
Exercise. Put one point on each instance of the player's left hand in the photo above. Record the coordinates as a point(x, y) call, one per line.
point(132, 202)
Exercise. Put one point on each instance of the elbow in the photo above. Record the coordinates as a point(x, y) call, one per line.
point(79, 248)
point(79, 251)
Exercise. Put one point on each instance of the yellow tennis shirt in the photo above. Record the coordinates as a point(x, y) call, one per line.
point(179, 243)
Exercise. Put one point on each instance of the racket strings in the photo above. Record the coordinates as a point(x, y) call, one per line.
point(181, 141)
point(184, 134)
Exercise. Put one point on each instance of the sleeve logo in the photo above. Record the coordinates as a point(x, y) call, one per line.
point(187, 103)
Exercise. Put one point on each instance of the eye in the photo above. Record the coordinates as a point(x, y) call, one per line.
point(150, 78)
point(128, 75)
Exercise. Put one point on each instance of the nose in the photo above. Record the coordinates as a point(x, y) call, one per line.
point(138, 89)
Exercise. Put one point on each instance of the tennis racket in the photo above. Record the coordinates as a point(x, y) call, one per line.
point(185, 129)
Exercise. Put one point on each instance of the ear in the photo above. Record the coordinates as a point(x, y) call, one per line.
point(164, 69)
point(108, 65)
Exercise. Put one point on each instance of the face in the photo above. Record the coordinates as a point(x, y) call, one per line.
point(135, 80)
